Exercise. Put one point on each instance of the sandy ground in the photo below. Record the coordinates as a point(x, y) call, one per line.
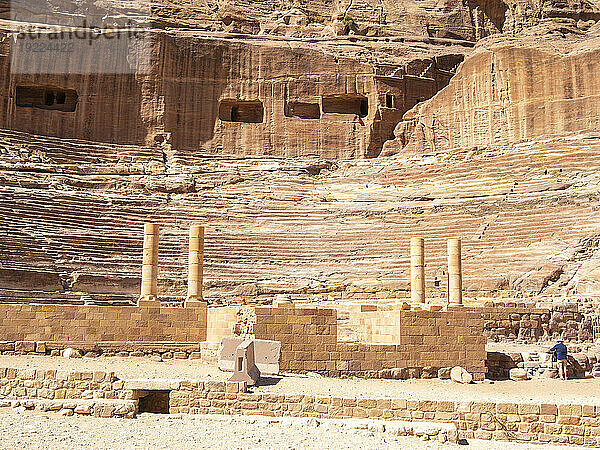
point(124, 368)
point(513, 347)
point(51, 431)
point(537, 390)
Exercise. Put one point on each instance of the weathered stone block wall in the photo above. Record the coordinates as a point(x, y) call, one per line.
point(227, 321)
point(98, 393)
point(558, 423)
point(505, 321)
point(444, 339)
point(57, 384)
point(428, 341)
point(371, 324)
point(221, 322)
point(530, 323)
point(148, 322)
point(514, 322)
point(101, 394)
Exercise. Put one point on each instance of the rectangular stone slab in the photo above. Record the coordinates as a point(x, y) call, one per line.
point(267, 355)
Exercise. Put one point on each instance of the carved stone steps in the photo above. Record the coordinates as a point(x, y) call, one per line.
point(279, 228)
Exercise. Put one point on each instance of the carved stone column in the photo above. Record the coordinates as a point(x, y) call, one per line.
point(150, 262)
point(195, 263)
point(454, 272)
point(417, 270)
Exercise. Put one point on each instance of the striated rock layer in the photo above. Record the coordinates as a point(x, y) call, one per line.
point(72, 214)
point(274, 144)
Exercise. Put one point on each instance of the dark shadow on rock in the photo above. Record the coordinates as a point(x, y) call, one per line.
point(268, 381)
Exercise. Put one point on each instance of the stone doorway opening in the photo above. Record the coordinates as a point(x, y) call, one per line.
point(46, 97)
point(346, 104)
point(155, 401)
point(248, 111)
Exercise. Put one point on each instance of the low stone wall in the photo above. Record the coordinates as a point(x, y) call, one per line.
point(539, 364)
point(429, 341)
point(102, 395)
point(528, 422)
point(76, 324)
point(92, 393)
point(206, 351)
point(57, 384)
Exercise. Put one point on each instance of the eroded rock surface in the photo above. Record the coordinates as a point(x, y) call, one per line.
point(265, 124)
point(511, 90)
point(72, 215)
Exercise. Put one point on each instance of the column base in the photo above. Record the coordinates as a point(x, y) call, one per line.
point(279, 303)
point(148, 300)
point(191, 301)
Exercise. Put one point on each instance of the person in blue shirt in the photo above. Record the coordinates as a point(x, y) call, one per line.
point(560, 351)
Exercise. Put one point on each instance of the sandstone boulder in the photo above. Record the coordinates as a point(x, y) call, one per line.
point(429, 372)
point(460, 375)
point(444, 373)
point(581, 362)
point(25, 346)
point(399, 374)
point(55, 406)
point(550, 373)
point(71, 353)
point(40, 347)
point(83, 408)
point(28, 404)
point(517, 374)
point(7, 346)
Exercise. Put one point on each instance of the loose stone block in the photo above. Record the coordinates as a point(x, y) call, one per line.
point(24, 346)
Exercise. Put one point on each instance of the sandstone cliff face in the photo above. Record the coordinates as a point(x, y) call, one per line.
point(507, 92)
point(262, 140)
point(233, 96)
point(471, 20)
